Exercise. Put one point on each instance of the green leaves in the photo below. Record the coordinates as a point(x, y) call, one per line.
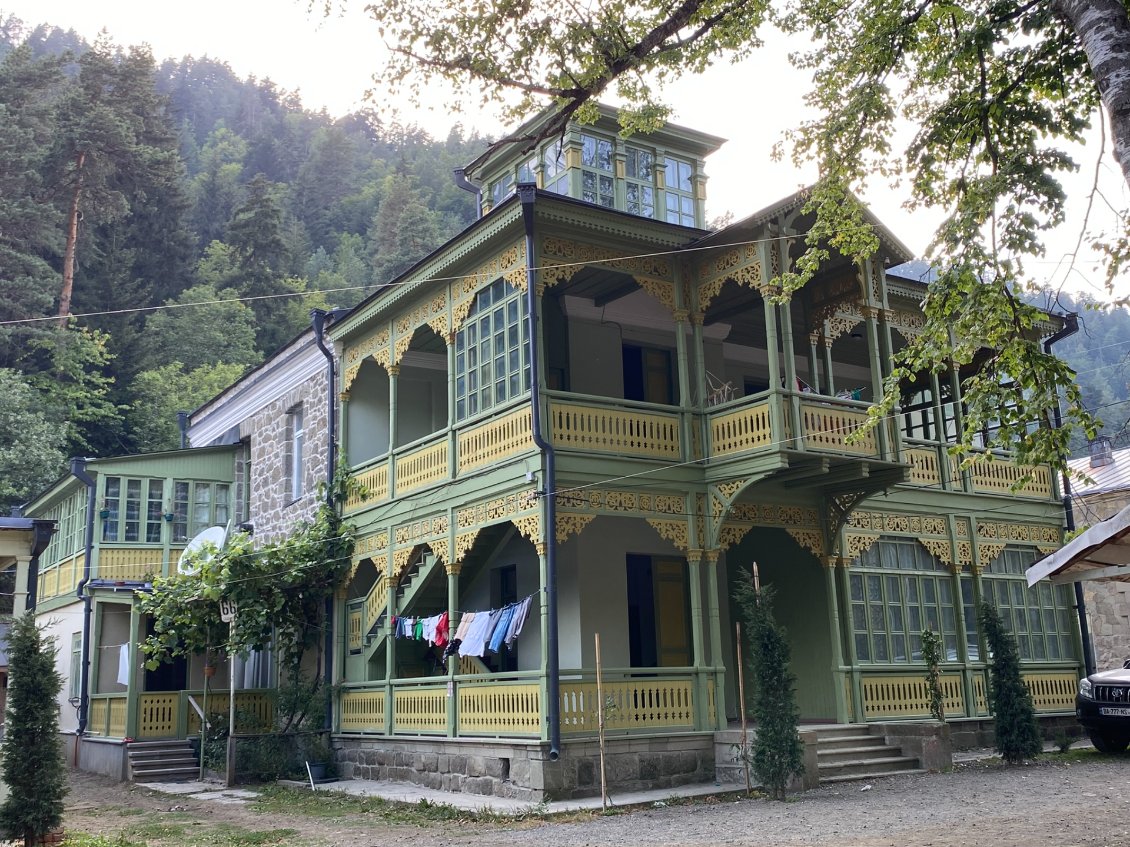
point(280, 590)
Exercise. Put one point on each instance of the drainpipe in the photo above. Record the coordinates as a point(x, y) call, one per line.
point(182, 425)
point(42, 532)
point(527, 192)
point(1070, 327)
point(466, 184)
point(318, 321)
point(78, 471)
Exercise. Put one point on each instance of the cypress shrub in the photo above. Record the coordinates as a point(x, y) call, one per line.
point(777, 753)
point(1010, 701)
point(33, 750)
point(932, 656)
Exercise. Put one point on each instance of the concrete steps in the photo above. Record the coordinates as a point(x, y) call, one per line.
point(852, 752)
point(844, 753)
point(162, 761)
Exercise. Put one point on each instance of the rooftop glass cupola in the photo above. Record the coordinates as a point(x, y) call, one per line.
point(659, 175)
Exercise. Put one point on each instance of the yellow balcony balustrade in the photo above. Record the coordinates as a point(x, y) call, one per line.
point(496, 440)
point(254, 709)
point(741, 431)
point(421, 467)
point(107, 715)
point(500, 709)
point(158, 715)
point(363, 711)
point(133, 564)
point(1052, 692)
point(1000, 475)
point(420, 709)
point(625, 432)
point(372, 486)
point(924, 469)
point(376, 601)
point(355, 635)
point(631, 704)
point(827, 428)
point(906, 695)
point(980, 694)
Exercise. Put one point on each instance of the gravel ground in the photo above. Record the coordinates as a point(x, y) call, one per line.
point(1084, 802)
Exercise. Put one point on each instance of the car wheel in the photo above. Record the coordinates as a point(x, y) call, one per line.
point(1109, 743)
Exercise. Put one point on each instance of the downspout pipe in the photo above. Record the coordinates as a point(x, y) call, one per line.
point(182, 425)
point(78, 471)
point(42, 532)
point(527, 193)
point(461, 181)
point(318, 322)
point(1070, 327)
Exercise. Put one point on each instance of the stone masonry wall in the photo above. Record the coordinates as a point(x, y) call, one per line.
point(272, 511)
point(1108, 603)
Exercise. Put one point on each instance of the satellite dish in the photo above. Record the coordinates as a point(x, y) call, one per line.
point(214, 536)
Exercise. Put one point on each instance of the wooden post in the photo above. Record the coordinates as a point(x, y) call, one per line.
point(600, 723)
point(741, 701)
point(231, 708)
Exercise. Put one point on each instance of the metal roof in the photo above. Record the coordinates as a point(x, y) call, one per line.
point(1101, 552)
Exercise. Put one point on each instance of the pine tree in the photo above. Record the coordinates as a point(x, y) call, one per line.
point(33, 751)
point(1014, 717)
point(777, 753)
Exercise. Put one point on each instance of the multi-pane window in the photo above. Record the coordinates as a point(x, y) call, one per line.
point(554, 172)
point(526, 170)
point(295, 449)
point(501, 189)
point(491, 360)
point(132, 510)
point(597, 184)
point(640, 187)
point(679, 191)
point(199, 505)
point(1040, 616)
point(898, 589)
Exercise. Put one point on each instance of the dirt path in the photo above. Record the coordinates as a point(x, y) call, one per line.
point(1085, 802)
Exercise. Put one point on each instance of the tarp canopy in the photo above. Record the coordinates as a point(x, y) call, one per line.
point(1101, 552)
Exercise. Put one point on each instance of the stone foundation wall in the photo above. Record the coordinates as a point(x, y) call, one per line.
point(973, 734)
point(525, 771)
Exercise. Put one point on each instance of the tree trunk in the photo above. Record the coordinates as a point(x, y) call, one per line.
point(72, 238)
point(1103, 28)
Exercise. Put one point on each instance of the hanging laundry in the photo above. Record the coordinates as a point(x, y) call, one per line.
point(502, 627)
point(474, 642)
point(464, 623)
point(518, 619)
point(418, 629)
point(439, 636)
point(123, 665)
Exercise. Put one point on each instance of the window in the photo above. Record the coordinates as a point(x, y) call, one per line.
point(125, 518)
point(897, 589)
point(679, 192)
point(76, 663)
point(501, 189)
point(640, 187)
point(597, 185)
point(555, 173)
point(491, 359)
point(1039, 617)
point(295, 441)
point(197, 506)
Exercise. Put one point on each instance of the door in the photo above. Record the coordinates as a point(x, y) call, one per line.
point(658, 619)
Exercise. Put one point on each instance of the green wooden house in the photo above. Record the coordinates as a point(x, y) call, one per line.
point(588, 399)
point(121, 522)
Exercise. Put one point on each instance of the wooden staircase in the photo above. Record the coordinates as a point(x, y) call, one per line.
point(854, 751)
point(843, 752)
point(162, 761)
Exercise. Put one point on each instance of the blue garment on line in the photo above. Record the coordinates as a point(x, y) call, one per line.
point(501, 628)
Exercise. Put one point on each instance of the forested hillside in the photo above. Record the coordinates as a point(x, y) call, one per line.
point(178, 183)
point(127, 185)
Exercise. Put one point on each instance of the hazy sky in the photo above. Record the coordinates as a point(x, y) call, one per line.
point(330, 61)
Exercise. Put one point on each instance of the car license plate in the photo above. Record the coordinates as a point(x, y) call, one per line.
point(1116, 711)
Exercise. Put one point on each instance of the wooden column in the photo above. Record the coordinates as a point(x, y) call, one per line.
point(698, 656)
point(835, 627)
point(393, 374)
point(716, 638)
point(827, 342)
point(453, 570)
point(133, 694)
point(390, 637)
point(785, 311)
point(683, 364)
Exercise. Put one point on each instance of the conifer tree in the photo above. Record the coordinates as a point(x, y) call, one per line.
point(777, 753)
point(1014, 716)
point(33, 753)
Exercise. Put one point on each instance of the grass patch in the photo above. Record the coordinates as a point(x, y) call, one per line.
point(230, 836)
point(81, 839)
point(158, 830)
point(331, 804)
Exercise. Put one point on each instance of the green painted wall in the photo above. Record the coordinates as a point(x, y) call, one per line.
point(367, 415)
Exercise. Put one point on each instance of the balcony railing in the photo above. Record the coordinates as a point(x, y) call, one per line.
point(619, 427)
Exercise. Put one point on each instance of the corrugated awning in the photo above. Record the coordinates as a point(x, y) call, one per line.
point(1102, 552)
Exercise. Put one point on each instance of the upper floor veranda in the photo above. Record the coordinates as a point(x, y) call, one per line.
point(654, 346)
